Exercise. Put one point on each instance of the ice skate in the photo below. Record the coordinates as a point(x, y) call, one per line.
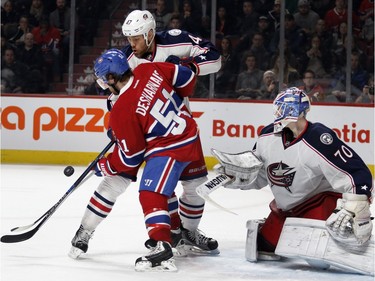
point(160, 257)
point(80, 242)
point(197, 243)
point(178, 244)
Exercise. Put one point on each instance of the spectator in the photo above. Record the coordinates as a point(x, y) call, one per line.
point(161, 15)
point(225, 77)
point(36, 12)
point(270, 86)
point(314, 91)
point(8, 14)
point(317, 58)
point(320, 30)
point(305, 17)
point(359, 78)
point(174, 22)
point(295, 37)
point(248, 19)
point(339, 37)
point(291, 75)
point(267, 33)
point(23, 27)
point(13, 72)
point(190, 20)
point(366, 12)
point(196, 6)
point(337, 15)
point(60, 19)
point(48, 38)
point(274, 14)
point(250, 79)
point(31, 55)
point(339, 55)
point(255, 44)
point(225, 23)
point(367, 92)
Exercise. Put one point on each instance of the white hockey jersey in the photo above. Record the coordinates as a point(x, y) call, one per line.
point(181, 44)
point(316, 162)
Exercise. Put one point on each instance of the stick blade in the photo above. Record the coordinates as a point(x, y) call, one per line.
point(18, 237)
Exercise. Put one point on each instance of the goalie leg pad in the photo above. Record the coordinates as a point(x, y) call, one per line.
point(308, 239)
point(251, 250)
point(251, 240)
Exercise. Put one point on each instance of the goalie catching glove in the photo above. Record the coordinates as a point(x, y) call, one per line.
point(103, 168)
point(351, 222)
point(242, 167)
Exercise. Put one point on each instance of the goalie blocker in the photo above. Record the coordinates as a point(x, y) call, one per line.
point(309, 239)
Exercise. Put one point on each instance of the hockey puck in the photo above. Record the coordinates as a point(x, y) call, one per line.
point(68, 171)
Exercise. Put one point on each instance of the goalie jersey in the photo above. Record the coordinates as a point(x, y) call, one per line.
point(316, 162)
point(183, 45)
point(149, 118)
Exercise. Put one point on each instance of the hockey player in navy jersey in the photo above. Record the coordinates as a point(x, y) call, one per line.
point(201, 56)
point(175, 46)
point(312, 175)
point(163, 133)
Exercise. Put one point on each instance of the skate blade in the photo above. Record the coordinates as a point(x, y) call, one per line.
point(75, 253)
point(179, 252)
point(165, 266)
point(268, 256)
point(190, 249)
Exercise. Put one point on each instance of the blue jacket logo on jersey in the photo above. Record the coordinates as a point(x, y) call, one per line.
point(280, 174)
point(326, 138)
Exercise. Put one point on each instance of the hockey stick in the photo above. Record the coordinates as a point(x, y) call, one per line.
point(206, 188)
point(14, 238)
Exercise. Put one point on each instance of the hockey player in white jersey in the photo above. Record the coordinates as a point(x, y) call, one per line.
point(202, 57)
point(175, 46)
point(315, 177)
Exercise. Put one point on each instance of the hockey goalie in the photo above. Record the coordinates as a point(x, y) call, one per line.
point(321, 187)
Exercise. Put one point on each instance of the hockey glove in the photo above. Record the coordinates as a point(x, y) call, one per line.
point(242, 167)
point(352, 217)
point(103, 168)
point(186, 61)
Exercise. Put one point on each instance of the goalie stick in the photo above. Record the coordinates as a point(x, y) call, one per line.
point(206, 188)
point(14, 238)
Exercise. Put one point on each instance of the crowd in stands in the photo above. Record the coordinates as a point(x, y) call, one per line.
point(35, 38)
point(247, 35)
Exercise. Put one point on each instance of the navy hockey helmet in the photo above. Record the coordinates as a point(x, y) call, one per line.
point(113, 62)
point(288, 106)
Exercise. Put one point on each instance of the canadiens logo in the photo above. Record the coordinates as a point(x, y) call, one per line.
point(326, 138)
point(281, 174)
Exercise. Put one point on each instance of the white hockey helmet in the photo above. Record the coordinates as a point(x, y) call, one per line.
point(139, 23)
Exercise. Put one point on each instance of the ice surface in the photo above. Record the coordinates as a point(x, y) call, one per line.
point(28, 191)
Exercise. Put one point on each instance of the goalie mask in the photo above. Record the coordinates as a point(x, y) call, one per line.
point(112, 64)
point(288, 106)
point(139, 23)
